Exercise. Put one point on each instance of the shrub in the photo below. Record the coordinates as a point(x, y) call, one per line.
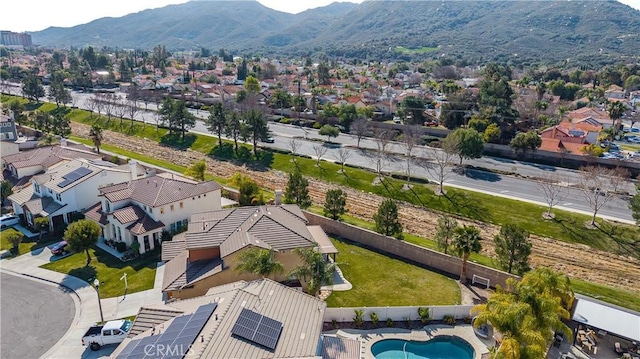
point(358, 319)
point(285, 121)
point(334, 324)
point(467, 320)
point(317, 125)
point(374, 318)
point(135, 247)
point(449, 319)
point(389, 323)
point(121, 247)
point(424, 315)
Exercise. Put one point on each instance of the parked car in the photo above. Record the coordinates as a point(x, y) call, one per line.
point(270, 140)
point(59, 248)
point(113, 332)
point(8, 220)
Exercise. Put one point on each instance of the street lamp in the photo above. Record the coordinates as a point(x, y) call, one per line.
point(96, 283)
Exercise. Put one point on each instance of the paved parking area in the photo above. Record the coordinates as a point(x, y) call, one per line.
point(34, 316)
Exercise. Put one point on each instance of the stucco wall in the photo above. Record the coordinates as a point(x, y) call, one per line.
point(430, 258)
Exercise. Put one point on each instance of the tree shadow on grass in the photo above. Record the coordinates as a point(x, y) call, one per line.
point(626, 246)
point(467, 207)
point(32, 106)
point(87, 274)
point(175, 140)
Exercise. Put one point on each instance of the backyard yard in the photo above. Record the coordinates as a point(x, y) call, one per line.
point(141, 272)
point(379, 280)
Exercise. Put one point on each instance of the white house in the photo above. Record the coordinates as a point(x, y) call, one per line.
point(67, 188)
point(31, 162)
point(8, 136)
point(139, 210)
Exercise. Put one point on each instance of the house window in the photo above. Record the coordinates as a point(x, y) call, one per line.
point(50, 191)
point(107, 206)
point(36, 187)
point(172, 208)
point(150, 210)
point(58, 197)
point(185, 223)
point(161, 210)
point(181, 205)
point(119, 234)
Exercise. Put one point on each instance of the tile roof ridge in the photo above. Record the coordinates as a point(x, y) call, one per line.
point(155, 200)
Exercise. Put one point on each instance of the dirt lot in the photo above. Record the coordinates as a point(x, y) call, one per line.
point(576, 260)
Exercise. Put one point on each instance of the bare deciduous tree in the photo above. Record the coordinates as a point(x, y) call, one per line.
point(552, 191)
point(132, 110)
point(599, 185)
point(92, 105)
point(440, 167)
point(294, 146)
point(108, 105)
point(342, 155)
point(120, 109)
point(410, 139)
point(319, 151)
point(359, 128)
point(382, 138)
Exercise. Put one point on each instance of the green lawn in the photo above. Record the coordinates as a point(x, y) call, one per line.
point(379, 280)
point(141, 272)
point(26, 245)
point(623, 298)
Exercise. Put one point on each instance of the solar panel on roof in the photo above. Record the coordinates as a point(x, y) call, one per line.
point(73, 176)
point(257, 328)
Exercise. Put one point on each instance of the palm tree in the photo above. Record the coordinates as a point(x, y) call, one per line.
point(466, 240)
point(315, 271)
point(556, 284)
point(96, 136)
point(260, 262)
point(615, 110)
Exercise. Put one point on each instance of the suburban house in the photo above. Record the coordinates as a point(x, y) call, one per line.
point(41, 159)
point(615, 93)
point(207, 254)
point(66, 189)
point(257, 319)
point(140, 210)
point(8, 137)
point(568, 138)
point(592, 116)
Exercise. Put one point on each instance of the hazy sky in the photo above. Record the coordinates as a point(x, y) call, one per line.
point(33, 15)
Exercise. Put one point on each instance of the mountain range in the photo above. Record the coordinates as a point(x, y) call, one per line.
point(518, 31)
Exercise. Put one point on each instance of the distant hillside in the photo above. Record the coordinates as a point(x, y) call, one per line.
point(522, 31)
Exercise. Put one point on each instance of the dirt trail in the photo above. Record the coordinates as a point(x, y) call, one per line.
point(576, 260)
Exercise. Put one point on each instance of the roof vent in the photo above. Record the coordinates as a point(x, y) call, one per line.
point(244, 302)
point(271, 292)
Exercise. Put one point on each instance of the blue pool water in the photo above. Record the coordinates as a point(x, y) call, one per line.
point(436, 348)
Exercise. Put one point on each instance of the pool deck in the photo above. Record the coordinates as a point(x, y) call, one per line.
point(369, 337)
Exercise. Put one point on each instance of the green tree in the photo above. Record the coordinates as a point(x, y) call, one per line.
point(41, 223)
point(329, 131)
point(217, 121)
point(281, 99)
point(616, 110)
point(347, 114)
point(82, 235)
point(466, 143)
point(445, 231)
point(297, 190)
point(252, 85)
point(18, 110)
point(492, 133)
point(259, 262)
point(256, 127)
point(386, 219)
point(14, 237)
point(6, 190)
point(95, 133)
point(315, 271)
point(334, 203)
point(526, 142)
point(233, 128)
point(413, 106)
point(513, 247)
point(197, 170)
point(32, 87)
point(249, 190)
point(458, 108)
point(61, 125)
point(466, 240)
point(558, 285)
point(182, 119)
point(57, 92)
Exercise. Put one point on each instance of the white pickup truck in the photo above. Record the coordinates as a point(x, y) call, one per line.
point(113, 332)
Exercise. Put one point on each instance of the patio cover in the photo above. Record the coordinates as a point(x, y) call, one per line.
point(615, 321)
point(324, 244)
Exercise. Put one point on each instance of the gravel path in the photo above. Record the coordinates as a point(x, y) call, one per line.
point(576, 260)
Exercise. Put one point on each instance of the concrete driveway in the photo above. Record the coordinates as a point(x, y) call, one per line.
point(35, 316)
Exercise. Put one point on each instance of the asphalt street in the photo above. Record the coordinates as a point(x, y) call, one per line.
point(34, 317)
point(524, 188)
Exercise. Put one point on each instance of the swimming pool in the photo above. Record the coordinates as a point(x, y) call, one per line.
point(441, 347)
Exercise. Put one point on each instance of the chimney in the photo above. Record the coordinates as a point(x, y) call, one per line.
point(278, 200)
point(133, 168)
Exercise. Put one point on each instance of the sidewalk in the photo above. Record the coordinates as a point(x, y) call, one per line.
point(85, 299)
